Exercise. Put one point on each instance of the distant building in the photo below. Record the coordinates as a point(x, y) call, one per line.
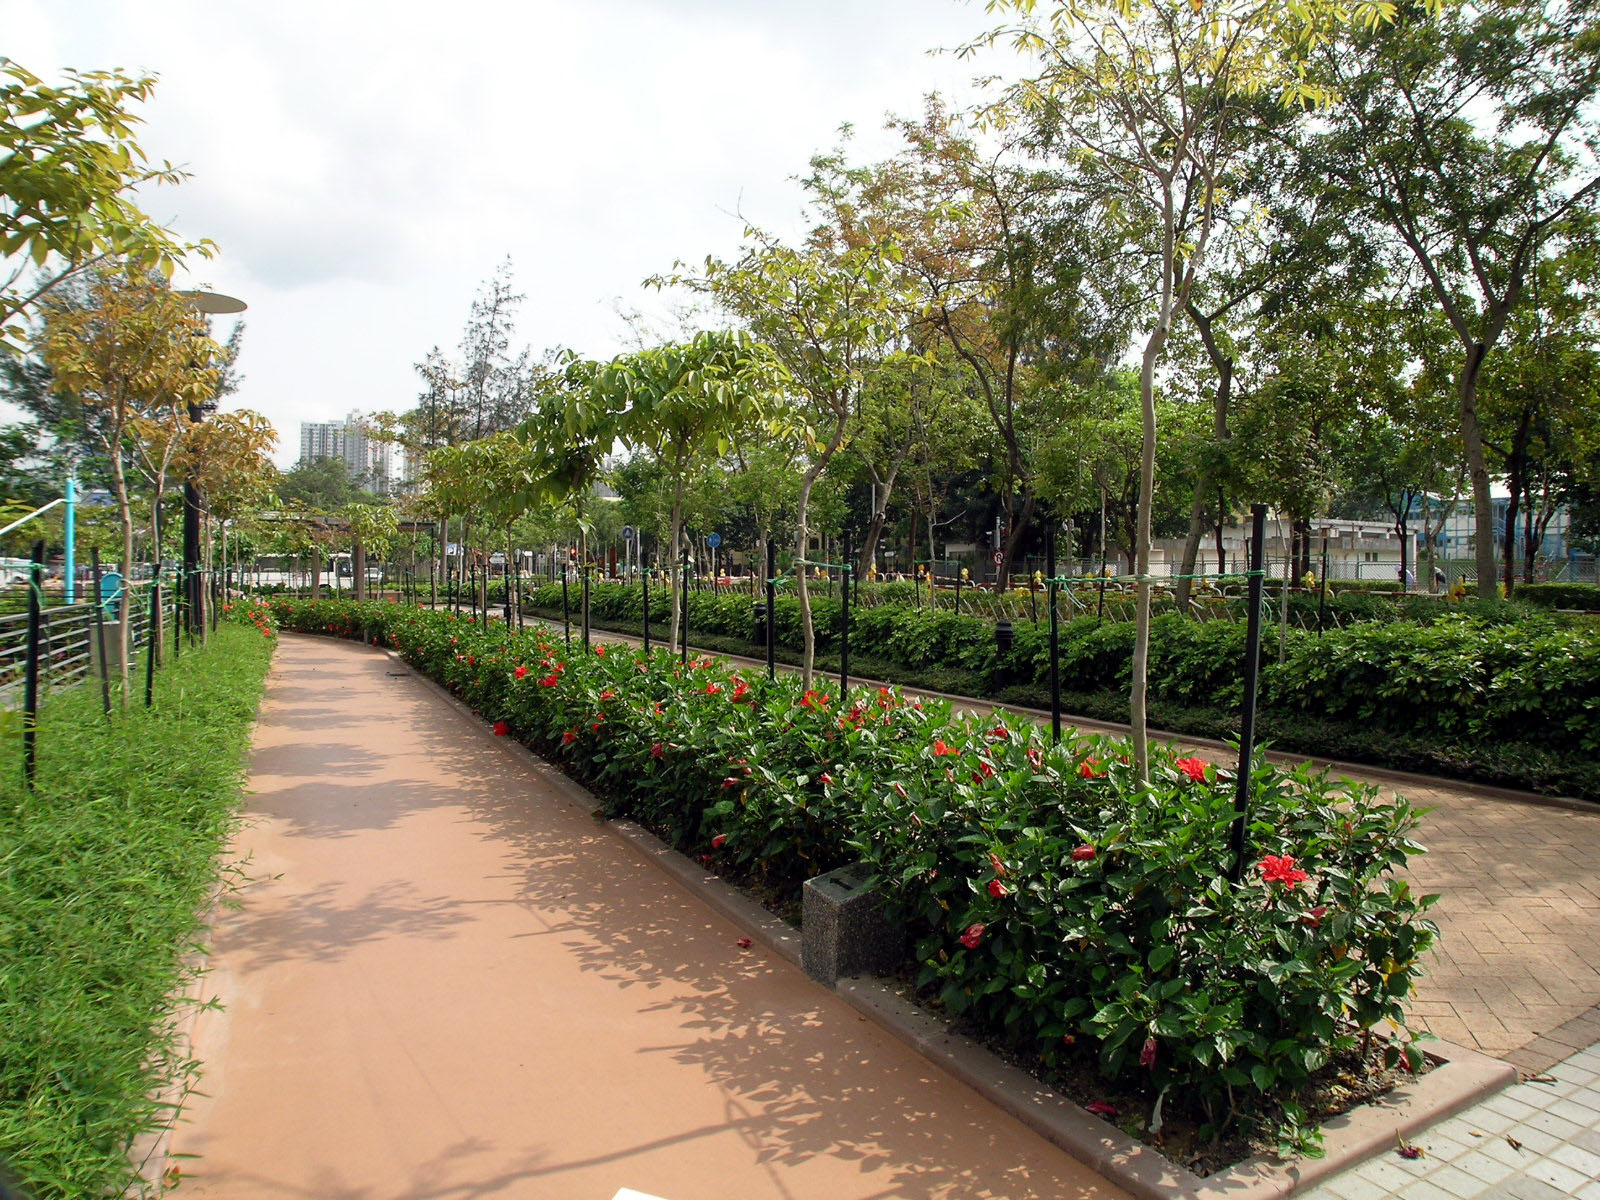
point(372, 463)
point(1355, 549)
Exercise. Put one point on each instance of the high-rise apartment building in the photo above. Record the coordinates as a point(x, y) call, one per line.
point(370, 461)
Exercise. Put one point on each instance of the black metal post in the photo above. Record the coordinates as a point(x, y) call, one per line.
point(958, 589)
point(30, 685)
point(1252, 668)
point(772, 609)
point(586, 608)
point(150, 643)
point(1100, 609)
point(1322, 592)
point(644, 581)
point(100, 631)
point(844, 647)
point(566, 607)
point(916, 583)
point(683, 574)
point(180, 599)
point(1055, 637)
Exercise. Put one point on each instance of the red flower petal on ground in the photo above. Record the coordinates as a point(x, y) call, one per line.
point(942, 748)
point(501, 729)
point(1084, 853)
point(973, 937)
point(716, 842)
point(1281, 869)
point(998, 890)
point(1147, 1055)
point(568, 737)
point(744, 943)
point(521, 672)
point(1194, 768)
point(1101, 1109)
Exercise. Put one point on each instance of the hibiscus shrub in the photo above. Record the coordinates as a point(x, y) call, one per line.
point(1053, 903)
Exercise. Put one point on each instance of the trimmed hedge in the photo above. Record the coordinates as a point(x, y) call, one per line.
point(1584, 596)
point(1053, 902)
point(1486, 695)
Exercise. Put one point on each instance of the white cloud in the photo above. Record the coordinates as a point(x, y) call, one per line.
point(363, 166)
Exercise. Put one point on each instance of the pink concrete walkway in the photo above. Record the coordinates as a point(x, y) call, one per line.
point(449, 980)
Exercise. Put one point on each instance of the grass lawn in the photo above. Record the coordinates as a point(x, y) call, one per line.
point(106, 870)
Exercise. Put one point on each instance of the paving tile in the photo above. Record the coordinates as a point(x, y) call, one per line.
point(1536, 1189)
point(1584, 1161)
point(1589, 1191)
point(1424, 1189)
point(1551, 1123)
point(1536, 1141)
point(1480, 1166)
point(1558, 1175)
point(1580, 1115)
point(1587, 1139)
point(1350, 1186)
point(1453, 1180)
point(1518, 1102)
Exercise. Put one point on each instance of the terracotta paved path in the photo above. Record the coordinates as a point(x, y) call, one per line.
point(449, 981)
point(1517, 974)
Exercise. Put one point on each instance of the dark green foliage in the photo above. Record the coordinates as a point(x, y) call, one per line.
point(1561, 595)
point(105, 875)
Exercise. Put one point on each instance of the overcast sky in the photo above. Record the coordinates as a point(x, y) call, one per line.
point(363, 167)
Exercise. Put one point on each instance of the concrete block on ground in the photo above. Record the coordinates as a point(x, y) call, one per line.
point(843, 930)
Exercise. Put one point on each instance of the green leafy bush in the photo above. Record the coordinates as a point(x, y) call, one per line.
point(1561, 595)
point(1052, 901)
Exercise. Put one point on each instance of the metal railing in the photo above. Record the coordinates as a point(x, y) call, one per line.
point(67, 654)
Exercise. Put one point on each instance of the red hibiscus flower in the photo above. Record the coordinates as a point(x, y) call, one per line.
point(740, 688)
point(598, 723)
point(521, 672)
point(1084, 853)
point(1000, 732)
point(1194, 768)
point(1036, 758)
point(986, 769)
point(600, 650)
point(826, 778)
point(501, 728)
point(973, 937)
point(813, 700)
point(569, 737)
point(1101, 1109)
point(550, 680)
point(1147, 1055)
point(717, 842)
point(1089, 768)
point(657, 750)
point(713, 688)
point(608, 695)
point(998, 890)
point(1281, 869)
point(999, 867)
point(731, 781)
point(942, 748)
point(1314, 916)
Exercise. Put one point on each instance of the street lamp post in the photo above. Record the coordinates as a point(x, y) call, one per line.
point(193, 586)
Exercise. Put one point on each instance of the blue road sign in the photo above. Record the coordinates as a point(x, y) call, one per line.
point(713, 540)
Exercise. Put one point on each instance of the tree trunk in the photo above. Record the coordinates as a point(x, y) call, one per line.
point(1137, 699)
point(1222, 398)
point(125, 608)
point(801, 538)
point(316, 571)
point(1477, 470)
point(1019, 528)
point(358, 569)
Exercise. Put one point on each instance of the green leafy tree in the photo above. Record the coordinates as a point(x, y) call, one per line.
point(1468, 133)
point(1159, 96)
point(70, 163)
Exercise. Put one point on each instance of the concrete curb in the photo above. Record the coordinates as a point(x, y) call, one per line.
point(1460, 1077)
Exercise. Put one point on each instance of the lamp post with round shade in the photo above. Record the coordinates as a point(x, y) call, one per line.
point(209, 303)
